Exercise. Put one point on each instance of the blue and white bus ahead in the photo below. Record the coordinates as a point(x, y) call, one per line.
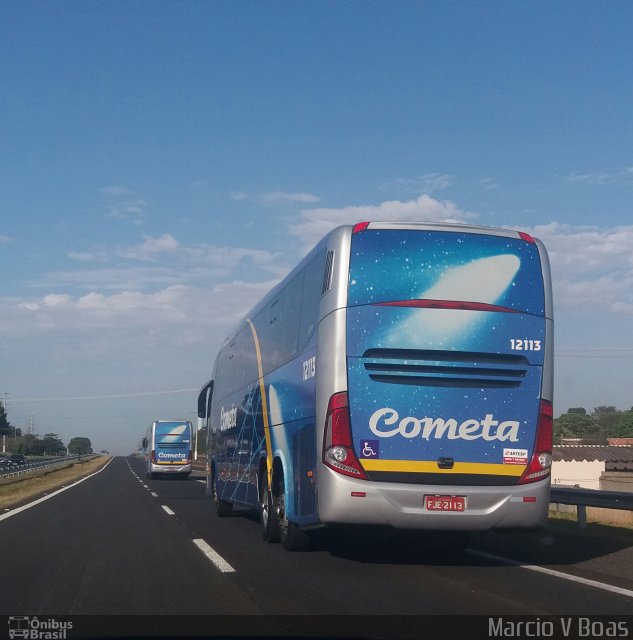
point(400, 375)
point(167, 447)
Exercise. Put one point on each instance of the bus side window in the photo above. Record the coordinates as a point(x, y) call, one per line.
point(312, 285)
point(269, 331)
point(224, 382)
point(291, 297)
point(243, 348)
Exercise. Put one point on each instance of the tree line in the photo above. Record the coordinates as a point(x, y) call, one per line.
point(48, 445)
point(594, 427)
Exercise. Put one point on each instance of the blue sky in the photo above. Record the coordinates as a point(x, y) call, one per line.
point(162, 164)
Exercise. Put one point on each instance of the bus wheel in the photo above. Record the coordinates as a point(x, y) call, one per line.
point(222, 507)
point(267, 516)
point(292, 537)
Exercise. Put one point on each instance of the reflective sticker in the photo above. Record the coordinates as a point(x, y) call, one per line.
point(515, 456)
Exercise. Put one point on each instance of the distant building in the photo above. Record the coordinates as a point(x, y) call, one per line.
point(585, 465)
point(609, 468)
point(627, 442)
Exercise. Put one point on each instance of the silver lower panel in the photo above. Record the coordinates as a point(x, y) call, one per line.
point(402, 505)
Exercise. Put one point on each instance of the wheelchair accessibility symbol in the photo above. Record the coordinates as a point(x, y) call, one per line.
point(369, 449)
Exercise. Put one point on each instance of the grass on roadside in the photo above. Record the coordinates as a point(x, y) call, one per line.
point(23, 490)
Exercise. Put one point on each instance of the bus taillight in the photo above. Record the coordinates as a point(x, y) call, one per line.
point(338, 450)
point(360, 226)
point(152, 456)
point(541, 463)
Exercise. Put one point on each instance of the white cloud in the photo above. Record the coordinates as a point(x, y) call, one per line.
point(129, 209)
point(4, 238)
point(577, 250)
point(600, 178)
point(56, 300)
point(426, 183)
point(82, 256)
point(115, 191)
point(164, 261)
point(184, 308)
point(280, 196)
point(112, 278)
point(151, 248)
point(622, 307)
point(275, 197)
point(489, 184)
point(591, 178)
point(591, 267)
point(315, 223)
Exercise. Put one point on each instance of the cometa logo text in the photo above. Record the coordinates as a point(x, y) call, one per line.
point(386, 423)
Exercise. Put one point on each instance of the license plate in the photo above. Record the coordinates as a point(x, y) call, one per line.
point(445, 503)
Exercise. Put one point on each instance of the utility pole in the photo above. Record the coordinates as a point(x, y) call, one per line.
point(5, 403)
point(5, 400)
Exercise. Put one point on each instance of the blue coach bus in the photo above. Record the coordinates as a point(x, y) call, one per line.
point(167, 446)
point(400, 375)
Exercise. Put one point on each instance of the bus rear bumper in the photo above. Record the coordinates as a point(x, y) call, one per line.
point(403, 506)
point(171, 469)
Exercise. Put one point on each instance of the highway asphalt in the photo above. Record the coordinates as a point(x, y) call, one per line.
point(118, 544)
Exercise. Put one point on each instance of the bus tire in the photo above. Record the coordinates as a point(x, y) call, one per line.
point(292, 537)
point(268, 522)
point(222, 507)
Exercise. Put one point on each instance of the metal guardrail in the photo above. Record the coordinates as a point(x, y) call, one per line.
point(584, 498)
point(12, 471)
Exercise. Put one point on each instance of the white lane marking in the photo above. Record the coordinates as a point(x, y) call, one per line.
point(203, 481)
point(145, 486)
point(154, 495)
point(215, 557)
point(558, 574)
point(167, 510)
point(51, 495)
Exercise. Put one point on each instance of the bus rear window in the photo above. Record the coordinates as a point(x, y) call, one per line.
point(400, 265)
point(172, 432)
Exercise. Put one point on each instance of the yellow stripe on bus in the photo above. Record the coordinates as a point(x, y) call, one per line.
point(262, 391)
point(418, 466)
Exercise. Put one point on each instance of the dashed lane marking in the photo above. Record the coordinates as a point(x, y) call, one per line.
point(167, 510)
point(219, 562)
